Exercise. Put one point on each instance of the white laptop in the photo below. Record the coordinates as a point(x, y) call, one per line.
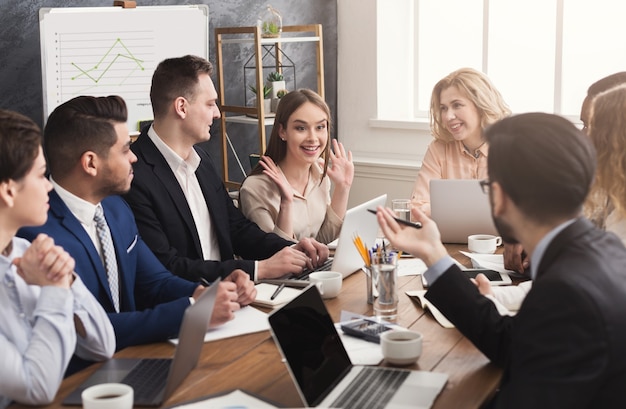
point(460, 208)
point(347, 259)
point(163, 375)
point(323, 373)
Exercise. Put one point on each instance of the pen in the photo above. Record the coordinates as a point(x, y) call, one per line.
point(416, 225)
point(278, 290)
point(204, 282)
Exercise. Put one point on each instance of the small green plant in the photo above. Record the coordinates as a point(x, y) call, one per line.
point(281, 93)
point(270, 28)
point(266, 90)
point(274, 76)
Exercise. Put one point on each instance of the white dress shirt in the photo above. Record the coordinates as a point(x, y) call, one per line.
point(37, 333)
point(185, 172)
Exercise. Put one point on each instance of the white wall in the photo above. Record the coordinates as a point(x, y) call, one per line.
point(387, 152)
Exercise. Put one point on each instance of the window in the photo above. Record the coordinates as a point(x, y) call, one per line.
point(541, 54)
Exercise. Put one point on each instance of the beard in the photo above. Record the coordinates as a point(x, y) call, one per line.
point(504, 230)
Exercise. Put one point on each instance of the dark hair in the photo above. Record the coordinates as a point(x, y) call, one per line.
point(597, 87)
point(543, 162)
point(176, 77)
point(20, 139)
point(79, 125)
point(276, 147)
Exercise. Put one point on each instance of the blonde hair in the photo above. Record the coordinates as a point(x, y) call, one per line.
point(477, 88)
point(607, 130)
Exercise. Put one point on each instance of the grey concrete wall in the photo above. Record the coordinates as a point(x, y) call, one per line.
point(20, 57)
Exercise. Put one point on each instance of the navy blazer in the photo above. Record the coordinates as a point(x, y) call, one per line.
point(166, 224)
point(566, 346)
point(152, 300)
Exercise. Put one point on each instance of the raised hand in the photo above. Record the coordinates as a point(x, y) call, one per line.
point(424, 243)
point(273, 172)
point(341, 169)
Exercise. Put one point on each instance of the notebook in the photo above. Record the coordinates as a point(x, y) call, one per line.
point(164, 375)
point(460, 208)
point(323, 373)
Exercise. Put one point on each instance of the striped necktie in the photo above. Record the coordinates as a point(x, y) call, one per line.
point(108, 252)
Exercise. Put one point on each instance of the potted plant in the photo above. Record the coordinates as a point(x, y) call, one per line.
point(270, 23)
point(267, 101)
point(276, 80)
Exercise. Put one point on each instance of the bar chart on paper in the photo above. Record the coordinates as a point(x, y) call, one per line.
point(102, 51)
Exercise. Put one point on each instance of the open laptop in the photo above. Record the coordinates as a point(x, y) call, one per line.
point(163, 376)
point(460, 208)
point(347, 259)
point(321, 369)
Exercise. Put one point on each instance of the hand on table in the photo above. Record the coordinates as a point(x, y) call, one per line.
point(515, 258)
point(246, 291)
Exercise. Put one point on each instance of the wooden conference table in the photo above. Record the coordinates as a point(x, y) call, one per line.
point(253, 363)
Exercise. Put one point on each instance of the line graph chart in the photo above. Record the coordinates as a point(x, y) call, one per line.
point(103, 63)
point(102, 51)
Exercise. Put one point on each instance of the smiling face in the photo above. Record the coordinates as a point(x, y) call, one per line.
point(460, 116)
point(306, 134)
point(31, 200)
point(201, 110)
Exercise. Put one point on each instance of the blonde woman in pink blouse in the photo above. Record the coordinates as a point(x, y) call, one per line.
point(461, 106)
point(289, 191)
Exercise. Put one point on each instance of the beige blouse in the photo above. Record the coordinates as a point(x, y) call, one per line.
point(259, 200)
point(447, 160)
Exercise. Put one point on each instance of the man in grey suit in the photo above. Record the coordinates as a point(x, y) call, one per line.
point(566, 347)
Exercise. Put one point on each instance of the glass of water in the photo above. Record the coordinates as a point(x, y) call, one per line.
point(402, 208)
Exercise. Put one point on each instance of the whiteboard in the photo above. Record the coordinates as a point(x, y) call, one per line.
point(104, 51)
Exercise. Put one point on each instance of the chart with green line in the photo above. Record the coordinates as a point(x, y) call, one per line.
point(103, 51)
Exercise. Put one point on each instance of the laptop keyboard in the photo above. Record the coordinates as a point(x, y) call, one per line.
point(148, 378)
point(373, 388)
point(324, 267)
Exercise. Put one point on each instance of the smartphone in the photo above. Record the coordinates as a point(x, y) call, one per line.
point(492, 275)
point(369, 330)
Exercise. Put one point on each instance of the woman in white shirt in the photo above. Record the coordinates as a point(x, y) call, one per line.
point(46, 313)
point(289, 191)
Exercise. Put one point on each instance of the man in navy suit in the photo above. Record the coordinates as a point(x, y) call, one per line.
point(87, 144)
point(181, 206)
point(565, 348)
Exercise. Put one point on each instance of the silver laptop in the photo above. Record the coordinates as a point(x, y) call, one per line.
point(460, 208)
point(321, 369)
point(162, 376)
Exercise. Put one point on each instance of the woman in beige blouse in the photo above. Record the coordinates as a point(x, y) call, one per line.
point(289, 191)
point(462, 104)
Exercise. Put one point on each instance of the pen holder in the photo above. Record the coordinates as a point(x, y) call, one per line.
point(371, 283)
point(385, 268)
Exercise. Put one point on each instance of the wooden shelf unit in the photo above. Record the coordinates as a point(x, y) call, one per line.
point(252, 35)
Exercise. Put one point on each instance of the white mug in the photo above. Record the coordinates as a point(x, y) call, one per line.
point(108, 396)
point(327, 282)
point(401, 347)
point(483, 243)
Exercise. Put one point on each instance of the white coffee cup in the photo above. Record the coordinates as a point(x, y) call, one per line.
point(108, 396)
point(483, 243)
point(401, 347)
point(327, 282)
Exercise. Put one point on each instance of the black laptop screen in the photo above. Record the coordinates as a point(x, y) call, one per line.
point(310, 343)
